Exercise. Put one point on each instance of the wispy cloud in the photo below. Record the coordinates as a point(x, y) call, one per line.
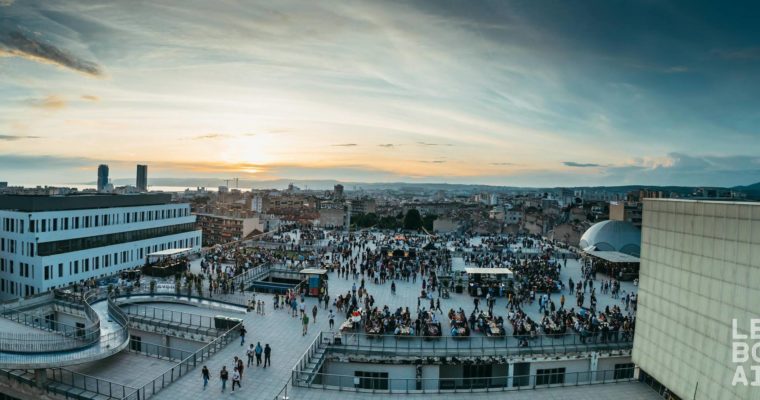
point(502, 163)
point(433, 161)
point(6, 3)
point(90, 97)
point(747, 53)
point(210, 136)
point(345, 145)
point(433, 144)
point(387, 145)
point(17, 44)
point(580, 165)
point(51, 103)
point(11, 138)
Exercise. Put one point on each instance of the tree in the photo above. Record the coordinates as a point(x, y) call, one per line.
point(413, 220)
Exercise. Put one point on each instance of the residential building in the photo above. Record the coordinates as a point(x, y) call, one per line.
point(221, 229)
point(54, 241)
point(626, 211)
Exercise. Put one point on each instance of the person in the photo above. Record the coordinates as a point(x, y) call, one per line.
point(223, 375)
point(235, 379)
point(242, 334)
point(267, 355)
point(250, 353)
point(240, 367)
point(332, 319)
point(205, 374)
point(258, 353)
point(314, 314)
point(305, 321)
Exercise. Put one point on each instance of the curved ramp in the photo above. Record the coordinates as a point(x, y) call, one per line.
point(114, 337)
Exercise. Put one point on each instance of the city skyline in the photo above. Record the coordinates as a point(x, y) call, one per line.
point(495, 93)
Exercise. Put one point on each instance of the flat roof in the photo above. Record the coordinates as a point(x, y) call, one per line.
point(170, 252)
point(313, 271)
point(614, 256)
point(490, 271)
point(38, 203)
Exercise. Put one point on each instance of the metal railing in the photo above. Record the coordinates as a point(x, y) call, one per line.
point(91, 384)
point(551, 378)
point(162, 314)
point(56, 337)
point(158, 351)
point(475, 345)
point(183, 367)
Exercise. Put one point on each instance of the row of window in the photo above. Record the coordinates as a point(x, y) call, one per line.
point(91, 242)
point(91, 221)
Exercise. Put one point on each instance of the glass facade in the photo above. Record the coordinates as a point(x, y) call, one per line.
point(70, 245)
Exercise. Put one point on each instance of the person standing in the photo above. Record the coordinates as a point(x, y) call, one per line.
point(305, 322)
point(205, 375)
point(258, 352)
point(332, 319)
point(267, 355)
point(223, 376)
point(242, 334)
point(250, 353)
point(314, 314)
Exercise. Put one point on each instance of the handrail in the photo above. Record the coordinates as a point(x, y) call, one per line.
point(469, 385)
point(162, 314)
point(183, 367)
point(43, 342)
point(86, 382)
point(480, 345)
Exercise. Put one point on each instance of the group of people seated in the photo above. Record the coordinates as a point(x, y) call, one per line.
point(487, 323)
point(607, 326)
point(458, 323)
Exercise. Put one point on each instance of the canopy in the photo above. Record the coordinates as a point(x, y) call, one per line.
point(489, 271)
point(170, 252)
point(314, 271)
point(614, 256)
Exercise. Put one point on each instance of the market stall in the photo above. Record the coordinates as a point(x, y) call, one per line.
point(481, 280)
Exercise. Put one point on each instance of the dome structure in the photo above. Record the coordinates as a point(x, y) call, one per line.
point(619, 236)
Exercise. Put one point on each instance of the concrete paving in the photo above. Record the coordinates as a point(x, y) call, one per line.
point(283, 334)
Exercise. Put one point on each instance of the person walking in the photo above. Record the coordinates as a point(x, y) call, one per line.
point(267, 355)
point(235, 380)
point(332, 319)
point(258, 352)
point(305, 322)
point(242, 334)
point(223, 376)
point(205, 375)
point(314, 314)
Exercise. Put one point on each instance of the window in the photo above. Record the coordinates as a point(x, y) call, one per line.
point(371, 380)
point(550, 376)
point(135, 343)
point(60, 270)
point(476, 375)
point(624, 371)
point(78, 244)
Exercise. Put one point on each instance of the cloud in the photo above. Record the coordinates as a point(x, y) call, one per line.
point(11, 138)
point(387, 145)
point(90, 97)
point(6, 3)
point(345, 145)
point(210, 136)
point(434, 162)
point(433, 144)
point(502, 163)
point(580, 165)
point(17, 44)
point(51, 103)
point(747, 53)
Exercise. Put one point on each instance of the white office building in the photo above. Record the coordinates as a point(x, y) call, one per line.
point(54, 241)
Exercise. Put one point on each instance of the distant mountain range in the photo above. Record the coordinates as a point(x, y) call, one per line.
point(752, 191)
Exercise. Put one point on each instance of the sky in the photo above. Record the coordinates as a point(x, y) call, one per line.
point(517, 93)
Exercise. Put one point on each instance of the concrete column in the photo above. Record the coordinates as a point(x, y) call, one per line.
point(40, 377)
point(510, 373)
point(594, 366)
